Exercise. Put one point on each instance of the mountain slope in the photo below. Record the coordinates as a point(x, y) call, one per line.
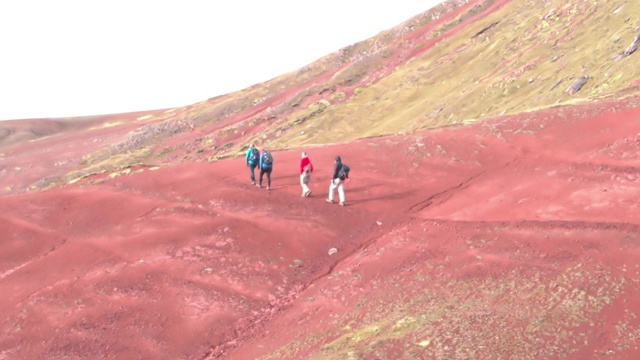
point(459, 62)
point(524, 222)
point(491, 213)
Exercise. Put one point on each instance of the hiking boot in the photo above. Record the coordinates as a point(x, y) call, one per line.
point(258, 185)
point(268, 187)
point(330, 201)
point(308, 193)
point(253, 182)
point(343, 204)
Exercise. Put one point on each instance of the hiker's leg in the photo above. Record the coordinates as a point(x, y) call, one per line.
point(304, 178)
point(331, 190)
point(253, 174)
point(269, 178)
point(341, 191)
point(261, 173)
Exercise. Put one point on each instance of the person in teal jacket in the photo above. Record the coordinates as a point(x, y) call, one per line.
point(253, 159)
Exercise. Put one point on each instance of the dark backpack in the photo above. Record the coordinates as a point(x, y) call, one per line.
point(254, 156)
point(344, 172)
point(267, 158)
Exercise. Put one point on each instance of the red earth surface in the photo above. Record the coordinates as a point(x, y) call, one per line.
point(513, 238)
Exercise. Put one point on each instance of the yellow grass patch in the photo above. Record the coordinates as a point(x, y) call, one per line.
point(108, 124)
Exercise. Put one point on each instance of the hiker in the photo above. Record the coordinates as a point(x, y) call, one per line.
point(340, 175)
point(306, 168)
point(253, 158)
point(266, 165)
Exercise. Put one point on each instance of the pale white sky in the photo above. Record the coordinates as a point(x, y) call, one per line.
point(85, 57)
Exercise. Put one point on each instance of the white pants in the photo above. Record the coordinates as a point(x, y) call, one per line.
point(337, 183)
point(304, 180)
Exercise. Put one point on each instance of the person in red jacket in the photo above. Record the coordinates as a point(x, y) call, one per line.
point(306, 168)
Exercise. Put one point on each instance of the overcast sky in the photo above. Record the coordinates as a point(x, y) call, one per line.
point(84, 57)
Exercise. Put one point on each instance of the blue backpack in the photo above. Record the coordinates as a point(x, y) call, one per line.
point(254, 156)
point(267, 158)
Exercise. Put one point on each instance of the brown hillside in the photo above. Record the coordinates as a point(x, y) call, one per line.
point(491, 211)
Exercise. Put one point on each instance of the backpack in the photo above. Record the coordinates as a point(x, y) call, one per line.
point(254, 156)
point(267, 158)
point(344, 172)
point(307, 169)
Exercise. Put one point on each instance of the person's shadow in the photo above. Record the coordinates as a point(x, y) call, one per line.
point(389, 197)
point(361, 196)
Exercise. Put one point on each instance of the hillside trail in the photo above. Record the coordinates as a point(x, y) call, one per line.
point(192, 261)
point(560, 185)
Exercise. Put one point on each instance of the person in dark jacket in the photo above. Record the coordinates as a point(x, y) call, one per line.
point(337, 183)
point(253, 158)
point(266, 166)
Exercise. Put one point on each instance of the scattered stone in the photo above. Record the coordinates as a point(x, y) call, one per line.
point(324, 103)
point(577, 85)
point(297, 263)
point(435, 112)
point(556, 84)
point(333, 251)
point(208, 270)
point(633, 47)
point(379, 223)
point(487, 28)
point(556, 58)
point(424, 343)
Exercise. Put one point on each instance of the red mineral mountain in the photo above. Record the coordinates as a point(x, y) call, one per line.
point(492, 205)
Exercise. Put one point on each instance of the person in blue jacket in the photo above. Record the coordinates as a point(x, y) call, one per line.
point(253, 158)
point(266, 166)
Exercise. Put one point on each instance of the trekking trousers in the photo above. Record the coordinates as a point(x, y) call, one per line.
point(339, 184)
point(304, 180)
point(252, 167)
point(268, 172)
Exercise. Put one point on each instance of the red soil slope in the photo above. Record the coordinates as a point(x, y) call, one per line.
point(518, 237)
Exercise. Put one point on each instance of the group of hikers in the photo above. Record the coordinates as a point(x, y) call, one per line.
point(264, 162)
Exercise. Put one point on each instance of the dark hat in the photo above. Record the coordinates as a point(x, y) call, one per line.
point(338, 159)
